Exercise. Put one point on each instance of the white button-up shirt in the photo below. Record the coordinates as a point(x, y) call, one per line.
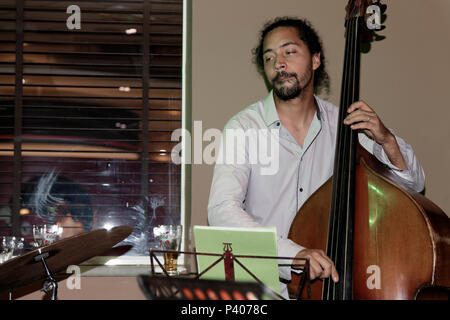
point(242, 195)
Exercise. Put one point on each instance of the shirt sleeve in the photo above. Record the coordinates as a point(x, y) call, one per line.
point(413, 177)
point(226, 206)
point(229, 185)
point(287, 248)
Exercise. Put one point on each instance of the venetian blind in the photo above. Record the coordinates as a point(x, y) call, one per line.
point(89, 97)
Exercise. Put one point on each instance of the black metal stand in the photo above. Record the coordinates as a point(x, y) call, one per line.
point(229, 258)
point(50, 285)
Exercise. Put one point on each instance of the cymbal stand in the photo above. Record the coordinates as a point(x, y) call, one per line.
point(50, 285)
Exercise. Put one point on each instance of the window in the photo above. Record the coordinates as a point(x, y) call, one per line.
point(89, 97)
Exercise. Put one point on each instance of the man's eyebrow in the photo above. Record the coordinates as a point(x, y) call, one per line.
point(282, 46)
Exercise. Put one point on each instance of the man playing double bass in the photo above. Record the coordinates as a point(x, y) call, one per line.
point(291, 58)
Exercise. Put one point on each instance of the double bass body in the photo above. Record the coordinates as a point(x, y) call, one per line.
point(401, 239)
point(389, 243)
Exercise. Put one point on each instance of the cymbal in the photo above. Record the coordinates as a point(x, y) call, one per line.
point(24, 269)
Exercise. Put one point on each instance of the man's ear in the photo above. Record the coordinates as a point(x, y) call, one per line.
point(316, 61)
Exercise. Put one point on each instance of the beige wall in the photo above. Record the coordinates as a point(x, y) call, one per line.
point(404, 77)
point(96, 288)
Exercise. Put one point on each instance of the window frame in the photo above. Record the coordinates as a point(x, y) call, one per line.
point(123, 265)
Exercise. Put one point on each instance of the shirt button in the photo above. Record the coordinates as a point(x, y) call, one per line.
point(278, 124)
point(301, 189)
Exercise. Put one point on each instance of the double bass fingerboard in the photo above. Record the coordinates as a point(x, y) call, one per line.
point(340, 234)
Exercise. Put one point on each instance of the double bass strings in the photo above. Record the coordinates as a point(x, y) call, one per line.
point(339, 242)
point(347, 283)
point(328, 289)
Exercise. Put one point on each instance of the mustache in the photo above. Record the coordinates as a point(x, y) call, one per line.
point(283, 74)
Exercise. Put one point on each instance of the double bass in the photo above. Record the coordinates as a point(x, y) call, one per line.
point(386, 240)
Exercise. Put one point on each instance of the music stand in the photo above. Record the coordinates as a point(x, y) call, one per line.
point(229, 258)
point(171, 288)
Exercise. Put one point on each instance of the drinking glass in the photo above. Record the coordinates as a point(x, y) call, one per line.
point(10, 247)
point(169, 237)
point(46, 234)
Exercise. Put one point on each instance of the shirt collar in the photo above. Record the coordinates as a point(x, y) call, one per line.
point(270, 111)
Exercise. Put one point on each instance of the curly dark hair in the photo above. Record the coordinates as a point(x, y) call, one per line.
point(308, 35)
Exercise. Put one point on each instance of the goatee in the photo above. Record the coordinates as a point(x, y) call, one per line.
point(286, 93)
point(293, 91)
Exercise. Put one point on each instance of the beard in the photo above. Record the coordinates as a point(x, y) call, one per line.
point(287, 91)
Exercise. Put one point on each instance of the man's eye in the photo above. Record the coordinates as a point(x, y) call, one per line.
point(290, 52)
point(267, 59)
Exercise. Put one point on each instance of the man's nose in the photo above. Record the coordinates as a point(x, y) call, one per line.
point(280, 64)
